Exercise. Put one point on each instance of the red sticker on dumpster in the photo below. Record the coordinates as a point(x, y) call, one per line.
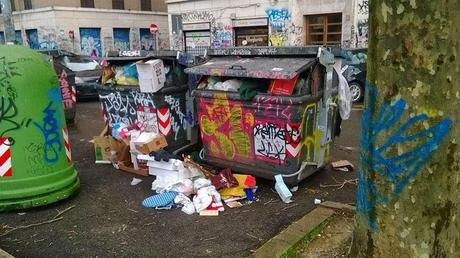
point(293, 145)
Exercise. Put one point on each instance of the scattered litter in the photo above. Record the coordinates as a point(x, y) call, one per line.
point(58, 217)
point(234, 204)
point(294, 189)
point(258, 238)
point(342, 165)
point(212, 213)
point(21, 213)
point(271, 200)
point(282, 189)
point(317, 201)
point(290, 206)
point(136, 181)
point(341, 185)
point(133, 210)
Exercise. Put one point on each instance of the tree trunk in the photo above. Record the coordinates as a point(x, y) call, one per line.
point(409, 182)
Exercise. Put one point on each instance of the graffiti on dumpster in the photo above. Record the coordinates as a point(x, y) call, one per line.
point(311, 137)
point(416, 141)
point(226, 129)
point(272, 105)
point(269, 141)
point(50, 127)
point(34, 159)
point(178, 118)
point(8, 110)
point(8, 118)
point(65, 91)
point(7, 71)
point(293, 136)
point(121, 107)
point(275, 142)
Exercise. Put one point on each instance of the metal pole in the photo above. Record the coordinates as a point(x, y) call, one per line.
point(7, 14)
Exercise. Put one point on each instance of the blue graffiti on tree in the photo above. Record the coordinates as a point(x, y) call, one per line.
point(397, 169)
point(50, 127)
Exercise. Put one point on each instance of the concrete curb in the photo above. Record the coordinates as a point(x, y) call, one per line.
point(4, 254)
point(338, 206)
point(289, 237)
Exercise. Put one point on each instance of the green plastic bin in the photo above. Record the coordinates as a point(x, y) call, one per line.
point(35, 162)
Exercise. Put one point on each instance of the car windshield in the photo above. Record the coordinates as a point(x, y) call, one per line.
point(80, 63)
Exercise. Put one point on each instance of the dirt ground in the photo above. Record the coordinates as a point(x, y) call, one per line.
point(333, 241)
point(109, 221)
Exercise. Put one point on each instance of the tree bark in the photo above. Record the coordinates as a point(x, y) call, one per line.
point(408, 192)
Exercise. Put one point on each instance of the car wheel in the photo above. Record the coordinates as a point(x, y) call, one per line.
point(357, 91)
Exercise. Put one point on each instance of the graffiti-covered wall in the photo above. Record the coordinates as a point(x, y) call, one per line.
point(93, 29)
point(362, 28)
point(286, 19)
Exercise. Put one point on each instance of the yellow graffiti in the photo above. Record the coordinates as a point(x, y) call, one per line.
point(278, 40)
point(224, 122)
point(208, 127)
point(311, 136)
point(249, 118)
point(228, 148)
point(213, 148)
point(240, 139)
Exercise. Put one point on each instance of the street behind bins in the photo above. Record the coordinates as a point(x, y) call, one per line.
point(108, 219)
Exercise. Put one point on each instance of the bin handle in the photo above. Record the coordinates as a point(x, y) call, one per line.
point(237, 67)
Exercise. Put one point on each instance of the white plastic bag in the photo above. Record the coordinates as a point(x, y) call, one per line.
point(344, 97)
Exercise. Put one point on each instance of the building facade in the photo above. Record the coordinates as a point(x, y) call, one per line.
point(90, 27)
point(199, 24)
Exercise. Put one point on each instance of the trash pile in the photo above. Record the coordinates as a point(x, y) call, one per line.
point(248, 88)
point(195, 189)
point(180, 182)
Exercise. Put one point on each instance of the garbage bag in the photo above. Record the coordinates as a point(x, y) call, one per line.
point(345, 101)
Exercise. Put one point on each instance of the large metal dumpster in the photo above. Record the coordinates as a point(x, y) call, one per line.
point(165, 111)
point(270, 134)
point(35, 162)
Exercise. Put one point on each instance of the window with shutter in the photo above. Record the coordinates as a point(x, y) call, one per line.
point(146, 5)
point(87, 3)
point(27, 4)
point(324, 29)
point(118, 4)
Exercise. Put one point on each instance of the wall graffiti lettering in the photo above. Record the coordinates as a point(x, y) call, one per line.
point(197, 16)
point(418, 143)
point(277, 18)
point(363, 7)
point(283, 29)
point(90, 41)
point(223, 36)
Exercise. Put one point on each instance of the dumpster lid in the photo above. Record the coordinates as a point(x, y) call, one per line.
point(134, 55)
point(253, 67)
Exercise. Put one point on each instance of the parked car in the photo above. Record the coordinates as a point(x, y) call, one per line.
point(87, 71)
point(354, 69)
